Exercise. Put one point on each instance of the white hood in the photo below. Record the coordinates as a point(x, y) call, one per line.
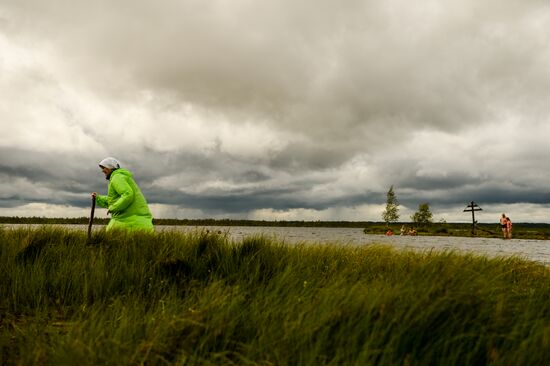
point(110, 163)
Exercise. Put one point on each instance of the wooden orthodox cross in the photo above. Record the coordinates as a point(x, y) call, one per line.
point(473, 207)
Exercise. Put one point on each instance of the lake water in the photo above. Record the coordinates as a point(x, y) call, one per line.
point(536, 250)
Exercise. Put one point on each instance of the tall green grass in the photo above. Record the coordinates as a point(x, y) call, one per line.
point(199, 298)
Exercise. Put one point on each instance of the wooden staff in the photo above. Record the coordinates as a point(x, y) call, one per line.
point(91, 218)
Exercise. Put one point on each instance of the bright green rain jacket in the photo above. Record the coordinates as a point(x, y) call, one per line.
point(126, 203)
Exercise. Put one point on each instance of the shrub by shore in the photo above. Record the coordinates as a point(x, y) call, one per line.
point(199, 298)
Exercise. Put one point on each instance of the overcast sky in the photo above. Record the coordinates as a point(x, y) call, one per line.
point(278, 110)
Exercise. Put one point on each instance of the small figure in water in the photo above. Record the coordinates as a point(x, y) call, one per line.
point(504, 226)
point(124, 200)
point(389, 232)
point(509, 227)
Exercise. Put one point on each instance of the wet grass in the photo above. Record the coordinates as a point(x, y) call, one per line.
point(198, 298)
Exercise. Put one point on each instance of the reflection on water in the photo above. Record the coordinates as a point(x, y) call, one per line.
point(536, 250)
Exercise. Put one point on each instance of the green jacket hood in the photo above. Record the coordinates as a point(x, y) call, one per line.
point(121, 171)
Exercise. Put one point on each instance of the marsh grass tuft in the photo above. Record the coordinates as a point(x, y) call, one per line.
point(200, 298)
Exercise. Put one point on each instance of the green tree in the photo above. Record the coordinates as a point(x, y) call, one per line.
point(423, 216)
point(391, 213)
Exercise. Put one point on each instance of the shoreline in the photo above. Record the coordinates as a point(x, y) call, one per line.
point(522, 231)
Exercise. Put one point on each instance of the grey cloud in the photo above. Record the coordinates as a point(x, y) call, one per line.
point(450, 182)
point(284, 198)
point(485, 194)
point(44, 166)
point(309, 156)
point(347, 80)
point(252, 176)
point(229, 203)
point(323, 73)
point(12, 202)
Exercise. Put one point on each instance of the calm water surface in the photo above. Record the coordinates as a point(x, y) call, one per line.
point(536, 250)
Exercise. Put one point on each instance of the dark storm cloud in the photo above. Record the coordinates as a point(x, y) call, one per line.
point(486, 194)
point(299, 157)
point(231, 202)
point(51, 167)
point(450, 182)
point(234, 107)
point(70, 183)
point(242, 202)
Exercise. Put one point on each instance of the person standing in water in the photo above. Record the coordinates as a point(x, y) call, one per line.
point(504, 226)
point(508, 228)
point(124, 200)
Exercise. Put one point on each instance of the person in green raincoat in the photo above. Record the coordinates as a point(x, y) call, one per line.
point(124, 200)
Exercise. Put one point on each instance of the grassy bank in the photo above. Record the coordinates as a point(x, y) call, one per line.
point(520, 230)
point(175, 298)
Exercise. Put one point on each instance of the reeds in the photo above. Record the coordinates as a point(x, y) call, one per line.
point(199, 298)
